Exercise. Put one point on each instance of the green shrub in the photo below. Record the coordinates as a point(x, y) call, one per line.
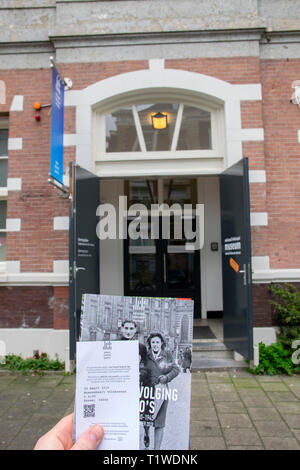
point(275, 359)
point(36, 364)
point(287, 312)
point(287, 305)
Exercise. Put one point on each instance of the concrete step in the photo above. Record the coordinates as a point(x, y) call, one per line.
point(213, 350)
point(218, 364)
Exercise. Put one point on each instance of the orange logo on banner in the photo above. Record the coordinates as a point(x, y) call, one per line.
point(234, 265)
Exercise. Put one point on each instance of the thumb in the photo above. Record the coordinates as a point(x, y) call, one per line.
point(90, 439)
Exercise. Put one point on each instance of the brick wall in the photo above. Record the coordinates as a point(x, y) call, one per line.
point(26, 307)
point(37, 245)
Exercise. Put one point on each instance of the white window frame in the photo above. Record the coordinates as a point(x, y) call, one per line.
point(217, 131)
point(3, 190)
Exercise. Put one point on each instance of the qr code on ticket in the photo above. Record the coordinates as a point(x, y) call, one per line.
point(89, 411)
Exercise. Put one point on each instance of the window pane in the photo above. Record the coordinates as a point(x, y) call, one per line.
point(181, 191)
point(141, 192)
point(3, 172)
point(121, 135)
point(195, 132)
point(142, 270)
point(2, 247)
point(3, 142)
point(157, 139)
point(2, 214)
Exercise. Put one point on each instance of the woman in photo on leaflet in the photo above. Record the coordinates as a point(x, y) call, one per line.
point(162, 370)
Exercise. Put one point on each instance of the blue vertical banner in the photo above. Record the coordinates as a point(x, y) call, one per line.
point(57, 128)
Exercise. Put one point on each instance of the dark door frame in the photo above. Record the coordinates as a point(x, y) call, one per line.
point(161, 282)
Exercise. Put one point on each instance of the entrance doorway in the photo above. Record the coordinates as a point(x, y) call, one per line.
point(163, 266)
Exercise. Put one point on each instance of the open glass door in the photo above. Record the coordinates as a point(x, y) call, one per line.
point(236, 244)
point(83, 245)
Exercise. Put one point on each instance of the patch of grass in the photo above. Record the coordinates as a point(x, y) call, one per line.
point(37, 364)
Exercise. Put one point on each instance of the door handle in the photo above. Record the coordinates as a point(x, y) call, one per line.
point(80, 269)
point(244, 272)
point(76, 269)
point(165, 269)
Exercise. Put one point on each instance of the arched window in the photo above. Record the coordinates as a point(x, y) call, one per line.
point(158, 127)
point(129, 132)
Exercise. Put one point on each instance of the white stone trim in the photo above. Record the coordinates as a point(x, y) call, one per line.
point(257, 176)
point(266, 335)
point(13, 225)
point(258, 218)
point(15, 143)
point(76, 139)
point(14, 184)
point(61, 223)
point(23, 341)
point(156, 64)
point(61, 266)
point(218, 93)
point(299, 135)
point(255, 134)
point(13, 266)
point(31, 279)
point(260, 263)
point(17, 103)
point(3, 193)
point(263, 276)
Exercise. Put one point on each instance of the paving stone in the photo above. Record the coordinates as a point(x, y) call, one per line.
point(241, 437)
point(235, 420)
point(240, 373)
point(49, 382)
point(230, 407)
point(282, 396)
point(296, 392)
point(226, 396)
point(242, 382)
point(37, 426)
point(7, 379)
point(218, 377)
point(27, 379)
point(197, 376)
point(9, 427)
point(272, 429)
point(285, 408)
point(246, 448)
point(257, 402)
point(206, 414)
point(296, 433)
point(292, 420)
point(274, 386)
point(252, 392)
point(268, 378)
point(205, 428)
point(207, 443)
point(277, 443)
point(264, 414)
point(219, 387)
point(292, 381)
point(201, 402)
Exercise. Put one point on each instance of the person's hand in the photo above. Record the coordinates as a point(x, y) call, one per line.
point(60, 437)
point(162, 379)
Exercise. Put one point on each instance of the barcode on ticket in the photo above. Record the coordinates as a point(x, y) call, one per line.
point(89, 411)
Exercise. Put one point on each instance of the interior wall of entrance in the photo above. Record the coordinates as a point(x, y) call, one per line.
point(112, 251)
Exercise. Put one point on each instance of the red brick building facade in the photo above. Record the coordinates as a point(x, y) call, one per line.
point(260, 61)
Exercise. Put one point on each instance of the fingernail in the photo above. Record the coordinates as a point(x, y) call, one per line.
point(96, 433)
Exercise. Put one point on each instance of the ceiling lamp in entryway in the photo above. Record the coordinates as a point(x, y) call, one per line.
point(159, 120)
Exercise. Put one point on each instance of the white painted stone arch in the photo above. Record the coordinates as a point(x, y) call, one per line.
point(158, 80)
